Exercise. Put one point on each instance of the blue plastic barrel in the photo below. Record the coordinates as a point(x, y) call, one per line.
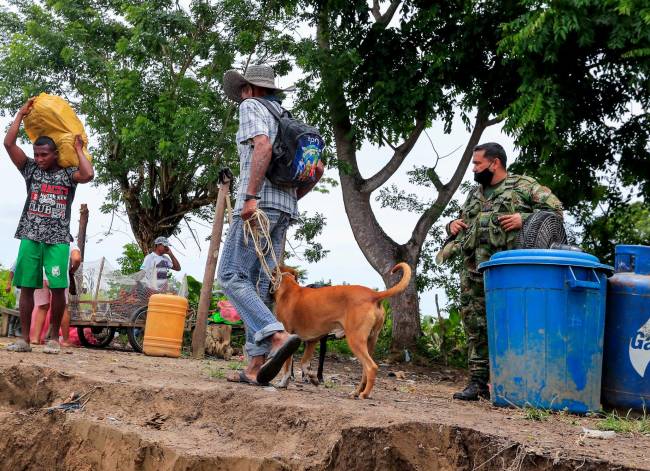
point(626, 375)
point(546, 315)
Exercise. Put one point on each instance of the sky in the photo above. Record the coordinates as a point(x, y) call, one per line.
point(344, 263)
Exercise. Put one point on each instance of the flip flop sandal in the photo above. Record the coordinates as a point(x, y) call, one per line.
point(276, 359)
point(242, 378)
point(19, 346)
point(52, 347)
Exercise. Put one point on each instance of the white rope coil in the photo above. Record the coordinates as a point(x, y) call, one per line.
point(258, 229)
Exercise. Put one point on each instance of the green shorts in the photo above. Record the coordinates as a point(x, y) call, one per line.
point(34, 257)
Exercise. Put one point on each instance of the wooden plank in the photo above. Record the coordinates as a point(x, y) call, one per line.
point(9, 311)
point(97, 323)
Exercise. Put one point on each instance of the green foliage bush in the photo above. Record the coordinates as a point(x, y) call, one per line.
point(6, 299)
point(194, 293)
point(444, 339)
point(131, 259)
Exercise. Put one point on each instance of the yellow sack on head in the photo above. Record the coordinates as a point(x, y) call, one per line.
point(52, 116)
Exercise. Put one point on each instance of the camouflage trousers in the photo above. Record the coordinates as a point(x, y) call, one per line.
point(472, 311)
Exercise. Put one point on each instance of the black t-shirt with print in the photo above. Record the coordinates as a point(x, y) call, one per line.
point(46, 215)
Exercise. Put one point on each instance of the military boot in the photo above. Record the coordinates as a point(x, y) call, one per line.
point(473, 391)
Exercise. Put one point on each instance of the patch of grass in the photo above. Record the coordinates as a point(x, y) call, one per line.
point(339, 346)
point(236, 365)
point(627, 424)
point(122, 340)
point(329, 385)
point(216, 373)
point(538, 415)
point(567, 417)
point(238, 339)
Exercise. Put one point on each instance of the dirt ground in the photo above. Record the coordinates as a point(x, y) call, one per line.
point(146, 413)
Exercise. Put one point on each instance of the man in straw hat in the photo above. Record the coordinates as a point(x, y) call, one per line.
point(268, 345)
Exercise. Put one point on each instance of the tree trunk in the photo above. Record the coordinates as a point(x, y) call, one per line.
point(379, 249)
point(145, 224)
point(164, 212)
point(406, 313)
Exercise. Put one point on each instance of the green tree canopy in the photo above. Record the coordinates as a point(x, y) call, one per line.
point(582, 117)
point(385, 71)
point(146, 76)
point(583, 103)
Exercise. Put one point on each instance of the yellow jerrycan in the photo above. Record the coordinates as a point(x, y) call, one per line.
point(163, 332)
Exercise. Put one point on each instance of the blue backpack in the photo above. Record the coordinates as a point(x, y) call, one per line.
point(297, 150)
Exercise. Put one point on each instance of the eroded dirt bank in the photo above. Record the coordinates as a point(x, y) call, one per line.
point(147, 413)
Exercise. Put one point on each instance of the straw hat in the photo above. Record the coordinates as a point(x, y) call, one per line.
point(259, 75)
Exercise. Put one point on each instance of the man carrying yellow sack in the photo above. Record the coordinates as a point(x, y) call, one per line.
point(44, 227)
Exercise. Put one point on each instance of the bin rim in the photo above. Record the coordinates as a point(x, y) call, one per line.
point(545, 257)
point(632, 246)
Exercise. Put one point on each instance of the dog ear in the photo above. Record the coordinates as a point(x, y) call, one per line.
point(289, 270)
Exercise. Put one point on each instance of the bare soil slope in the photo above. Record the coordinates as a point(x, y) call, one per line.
point(146, 413)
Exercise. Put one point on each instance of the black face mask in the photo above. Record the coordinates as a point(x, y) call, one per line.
point(484, 177)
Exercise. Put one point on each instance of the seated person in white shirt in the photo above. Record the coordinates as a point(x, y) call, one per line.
point(159, 262)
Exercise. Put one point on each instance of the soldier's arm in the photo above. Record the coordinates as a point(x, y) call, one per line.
point(459, 220)
point(543, 199)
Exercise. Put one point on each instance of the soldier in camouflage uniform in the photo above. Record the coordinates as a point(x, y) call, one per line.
point(489, 222)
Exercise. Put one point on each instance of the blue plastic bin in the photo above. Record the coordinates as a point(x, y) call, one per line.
point(626, 361)
point(546, 315)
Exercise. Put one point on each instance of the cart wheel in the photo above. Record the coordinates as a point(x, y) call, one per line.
point(96, 337)
point(136, 334)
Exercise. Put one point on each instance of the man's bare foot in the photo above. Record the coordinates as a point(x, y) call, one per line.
point(250, 370)
point(67, 344)
point(249, 374)
point(283, 346)
point(278, 339)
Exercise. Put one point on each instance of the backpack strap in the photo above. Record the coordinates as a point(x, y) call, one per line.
point(269, 107)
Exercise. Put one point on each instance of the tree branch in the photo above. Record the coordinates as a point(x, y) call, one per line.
point(401, 152)
point(492, 121)
point(435, 179)
point(388, 15)
point(375, 10)
point(183, 209)
point(344, 135)
point(388, 143)
point(138, 185)
point(446, 192)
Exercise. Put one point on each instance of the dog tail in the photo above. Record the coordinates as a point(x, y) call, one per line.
point(399, 287)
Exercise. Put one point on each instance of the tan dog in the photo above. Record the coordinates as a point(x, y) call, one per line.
point(353, 311)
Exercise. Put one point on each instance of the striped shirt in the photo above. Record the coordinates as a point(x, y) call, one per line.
point(256, 120)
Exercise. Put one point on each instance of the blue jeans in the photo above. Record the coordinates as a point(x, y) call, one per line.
point(247, 286)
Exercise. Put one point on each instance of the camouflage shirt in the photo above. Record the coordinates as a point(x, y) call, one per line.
point(484, 235)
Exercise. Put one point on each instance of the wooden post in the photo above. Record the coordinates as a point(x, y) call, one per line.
point(198, 338)
point(81, 235)
point(99, 282)
point(443, 347)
